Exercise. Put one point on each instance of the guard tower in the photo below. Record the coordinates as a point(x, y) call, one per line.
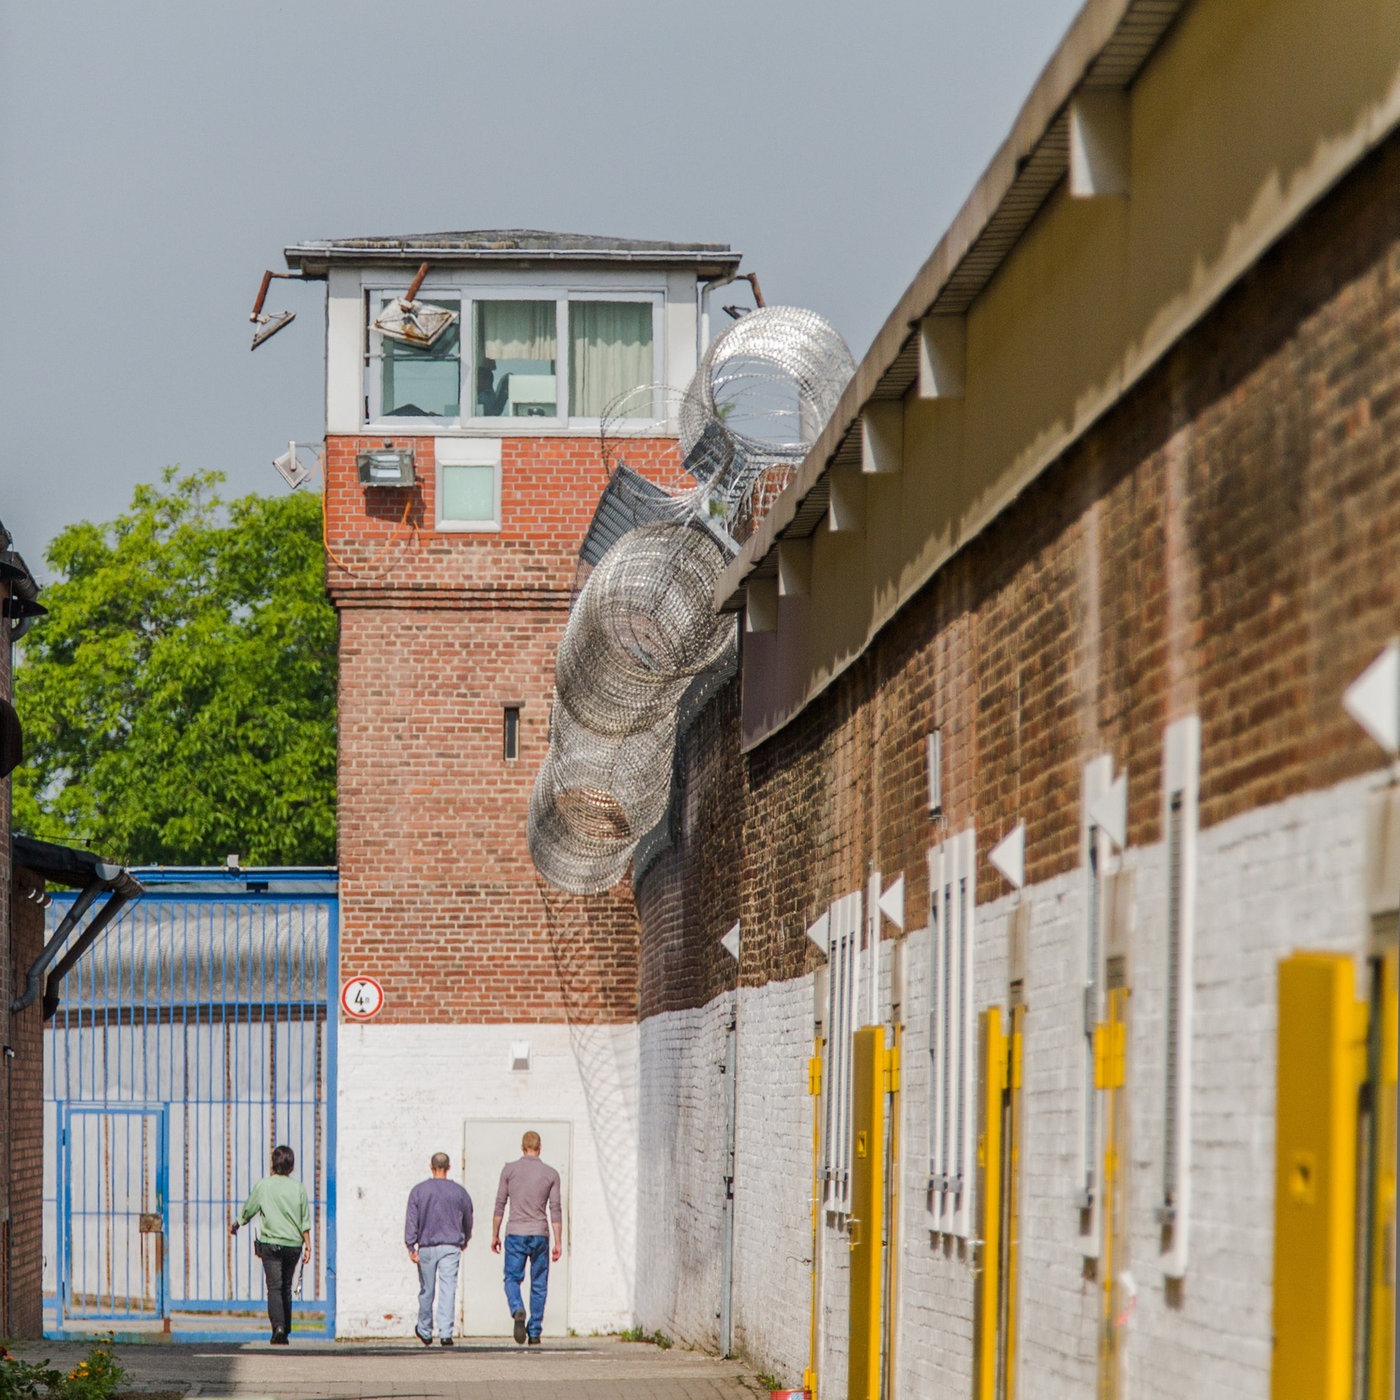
point(464, 401)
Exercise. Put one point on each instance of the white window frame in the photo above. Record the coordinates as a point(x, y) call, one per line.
point(658, 330)
point(466, 452)
point(1181, 787)
point(1095, 851)
point(843, 1000)
point(373, 397)
point(952, 1116)
point(467, 296)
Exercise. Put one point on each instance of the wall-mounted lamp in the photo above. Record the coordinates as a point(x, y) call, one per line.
point(386, 466)
point(519, 1055)
point(294, 472)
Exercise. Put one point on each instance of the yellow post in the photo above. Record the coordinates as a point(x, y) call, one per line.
point(892, 1069)
point(1381, 1349)
point(1013, 1205)
point(866, 1223)
point(992, 1059)
point(1321, 1065)
point(1110, 1075)
point(814, 1088)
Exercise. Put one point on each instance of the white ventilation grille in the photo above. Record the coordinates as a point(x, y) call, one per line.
point(952, 1034)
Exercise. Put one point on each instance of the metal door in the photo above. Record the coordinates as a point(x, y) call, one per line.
point(867, 1224)
point(115, 1199)
point(487, 1145)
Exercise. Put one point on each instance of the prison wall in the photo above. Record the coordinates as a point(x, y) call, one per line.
point(1221, 543)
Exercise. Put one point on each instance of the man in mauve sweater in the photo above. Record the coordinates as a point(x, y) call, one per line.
point(530, 1188)
point(436, 1230)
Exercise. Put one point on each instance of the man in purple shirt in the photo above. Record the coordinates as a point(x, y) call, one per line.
point(531, 1189)
point(436, 1230)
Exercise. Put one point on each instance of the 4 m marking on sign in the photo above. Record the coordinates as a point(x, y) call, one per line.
point(361, 998)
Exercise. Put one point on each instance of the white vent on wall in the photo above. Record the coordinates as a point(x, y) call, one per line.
point(935, 772)
point(843, 991)
point(1180, 802)
point(1095, 849)
point(952, 878)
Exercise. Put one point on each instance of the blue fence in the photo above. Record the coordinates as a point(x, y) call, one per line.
point(196, 1033)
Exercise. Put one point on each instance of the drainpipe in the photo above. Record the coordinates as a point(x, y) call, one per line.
point(55, 944)
point(84, 941)
point(702, 325)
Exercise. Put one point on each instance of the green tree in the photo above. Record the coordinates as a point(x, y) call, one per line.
point(178, 701)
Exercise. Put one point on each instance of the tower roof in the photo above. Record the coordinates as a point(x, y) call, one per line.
point(314, 257)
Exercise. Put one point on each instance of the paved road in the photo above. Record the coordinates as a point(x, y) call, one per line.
point(583, 1368)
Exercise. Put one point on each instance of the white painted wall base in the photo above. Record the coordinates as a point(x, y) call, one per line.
point(404, 1092)
point(1272, 881)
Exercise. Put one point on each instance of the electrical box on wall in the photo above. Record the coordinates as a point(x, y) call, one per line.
point(386, 466)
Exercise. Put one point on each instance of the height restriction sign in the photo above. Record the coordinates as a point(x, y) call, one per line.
point(361, 998)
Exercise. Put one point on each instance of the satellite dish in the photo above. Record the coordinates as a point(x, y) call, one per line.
point(290, 468)
point(411, 321)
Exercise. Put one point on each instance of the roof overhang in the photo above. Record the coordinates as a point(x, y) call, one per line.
point(314, 259)
point(1105, 49)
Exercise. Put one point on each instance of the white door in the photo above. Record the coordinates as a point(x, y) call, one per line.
point(487, 1145)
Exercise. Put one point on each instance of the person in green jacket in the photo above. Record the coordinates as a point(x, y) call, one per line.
point(285, 1237)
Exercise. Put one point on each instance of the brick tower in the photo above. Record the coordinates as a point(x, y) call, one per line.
point(460, 477)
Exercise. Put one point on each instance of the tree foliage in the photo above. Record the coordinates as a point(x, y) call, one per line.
point(178, 701)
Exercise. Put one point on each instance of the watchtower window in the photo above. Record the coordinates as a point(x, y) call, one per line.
point(516, 350)
point(423, 381)
point(510, 733)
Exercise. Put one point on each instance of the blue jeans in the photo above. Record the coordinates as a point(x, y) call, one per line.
point(518, 1249)
point(437, 1273)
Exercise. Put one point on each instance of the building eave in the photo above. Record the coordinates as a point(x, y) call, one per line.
point(1105, 48)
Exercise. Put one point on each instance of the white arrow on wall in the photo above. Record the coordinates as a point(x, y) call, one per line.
point(730, 942)
point(1009, 855)
point(892, 902)
point(1373, 699)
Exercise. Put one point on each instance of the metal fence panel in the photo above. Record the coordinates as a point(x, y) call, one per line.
point(197, 1033)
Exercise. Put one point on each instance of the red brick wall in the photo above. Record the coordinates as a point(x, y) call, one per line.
point(24, 1124)
point(1225, 542)
point(439, 899)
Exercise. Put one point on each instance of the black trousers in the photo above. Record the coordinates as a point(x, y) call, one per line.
point(279, 1263)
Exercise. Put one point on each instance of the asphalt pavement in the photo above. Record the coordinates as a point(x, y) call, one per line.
point(579, 1368)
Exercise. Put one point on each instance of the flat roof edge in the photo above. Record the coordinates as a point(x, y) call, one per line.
point(316, 259)
point(1088, 36)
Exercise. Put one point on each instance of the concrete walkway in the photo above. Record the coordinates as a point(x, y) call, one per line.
point(579, 1368)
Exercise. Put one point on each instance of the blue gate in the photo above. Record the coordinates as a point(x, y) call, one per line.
point(194, 1035)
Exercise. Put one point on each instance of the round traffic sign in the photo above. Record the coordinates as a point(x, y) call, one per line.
point(361, 998)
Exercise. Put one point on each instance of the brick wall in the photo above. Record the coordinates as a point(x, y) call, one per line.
point(1222, 543)
point(21, 1083)
point(24, 1121)
point(439, 632)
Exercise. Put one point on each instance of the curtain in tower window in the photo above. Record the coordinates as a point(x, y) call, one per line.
point(516, 345)
point(609, 353)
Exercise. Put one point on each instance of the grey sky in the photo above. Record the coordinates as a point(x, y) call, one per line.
point(156, 155)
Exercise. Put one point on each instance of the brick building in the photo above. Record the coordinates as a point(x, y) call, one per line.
point(21, 937)
point(505, 1005)
point(1039, 764)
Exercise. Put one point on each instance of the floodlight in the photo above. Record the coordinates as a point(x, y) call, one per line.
point(411, 321)
point(268, 325)
point(386, 466)
point(292, 471)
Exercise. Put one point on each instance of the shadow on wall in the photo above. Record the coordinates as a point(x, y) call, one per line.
point(606, 1082)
